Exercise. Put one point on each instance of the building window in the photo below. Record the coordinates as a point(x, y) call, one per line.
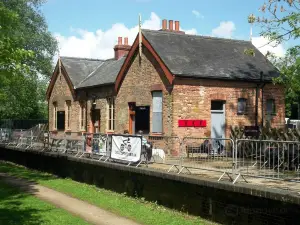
point(242, 106)
point(111, 113)
point(82, 116)
point(54, 115)
point(68, 109)
point(60, 120)
point(271, 106)
point(157, 112)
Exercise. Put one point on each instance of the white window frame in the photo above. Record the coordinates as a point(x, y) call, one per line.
point(55, 115)
point(110, 125)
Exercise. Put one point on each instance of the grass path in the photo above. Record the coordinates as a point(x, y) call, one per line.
point(138, 210)
point(17, 207)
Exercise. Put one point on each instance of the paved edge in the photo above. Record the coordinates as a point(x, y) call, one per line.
point(86, 211)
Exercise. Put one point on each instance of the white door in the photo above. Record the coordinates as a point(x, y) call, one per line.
point(217, 122)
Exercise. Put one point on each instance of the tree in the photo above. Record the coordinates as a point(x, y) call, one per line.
point(26, 52)
point(280, 23)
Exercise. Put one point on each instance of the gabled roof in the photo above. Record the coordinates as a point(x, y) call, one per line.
point(79, 68)
point(83, 72)
point(106, 73)
point(209, 57)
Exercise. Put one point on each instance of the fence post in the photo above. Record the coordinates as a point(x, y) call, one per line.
point(235, 149)
point(181, 153)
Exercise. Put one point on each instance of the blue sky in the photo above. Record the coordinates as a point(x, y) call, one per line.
point(90, 28)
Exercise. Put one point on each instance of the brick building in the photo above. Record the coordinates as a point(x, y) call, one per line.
point(175, 84)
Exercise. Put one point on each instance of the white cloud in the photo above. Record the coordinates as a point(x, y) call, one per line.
point(225, 29)
point(190, 31)
point(258, 42)
point(197, 14)
point(100, 44)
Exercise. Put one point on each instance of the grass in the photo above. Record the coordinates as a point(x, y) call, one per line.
point(136, 209)
point(17, 207)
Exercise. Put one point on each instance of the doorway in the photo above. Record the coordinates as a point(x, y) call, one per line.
point(217, 122)
point(142, 119)
point(96, 120)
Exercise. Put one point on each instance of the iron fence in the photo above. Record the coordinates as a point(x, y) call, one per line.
point(213, 155)
point(166, 151)
point(268, 159)
point(21, 124)
point(210, 157)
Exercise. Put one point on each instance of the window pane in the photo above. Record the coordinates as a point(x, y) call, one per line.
point(242, 105)
point(217, 105)
point(157, 101)
point(270, 106)
point(157, 112)
point(60, 120)
point(157, 122)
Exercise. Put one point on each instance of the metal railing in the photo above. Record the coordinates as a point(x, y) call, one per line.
point(209, 157)
point(268, 159)
point(214, 155)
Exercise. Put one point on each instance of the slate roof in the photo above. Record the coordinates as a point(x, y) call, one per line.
point(79, 68)
point(209, 57)
point(106, 73)
point(91, 72)
point(184, 55)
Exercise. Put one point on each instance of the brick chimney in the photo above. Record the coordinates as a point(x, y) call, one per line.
point(171, 26)
point(121, 49)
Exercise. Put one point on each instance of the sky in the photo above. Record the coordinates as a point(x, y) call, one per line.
point(90, 28)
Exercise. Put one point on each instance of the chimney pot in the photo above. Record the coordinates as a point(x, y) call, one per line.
point(164, 24)
point(126, 41)
point(176, 25)
point(171, 25)
point(119, 40)
point(120, 49)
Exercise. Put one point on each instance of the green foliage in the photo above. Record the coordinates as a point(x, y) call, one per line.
point(280, 22)
point(26, 52)
point(289, 66)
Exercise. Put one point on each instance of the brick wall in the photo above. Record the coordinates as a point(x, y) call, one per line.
point(60, 94)
point(189, 99)
point(192, 100)
point(101, 94)
point(136, 87)
point(275, 92)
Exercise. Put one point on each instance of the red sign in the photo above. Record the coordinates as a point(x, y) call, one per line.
point(192, 123)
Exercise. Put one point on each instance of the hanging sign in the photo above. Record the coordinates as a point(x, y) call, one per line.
point(126, 148)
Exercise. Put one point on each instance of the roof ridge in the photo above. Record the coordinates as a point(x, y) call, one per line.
point(195, 35)
point(71, 57)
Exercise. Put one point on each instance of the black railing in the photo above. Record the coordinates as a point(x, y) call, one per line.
point(21, 124)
